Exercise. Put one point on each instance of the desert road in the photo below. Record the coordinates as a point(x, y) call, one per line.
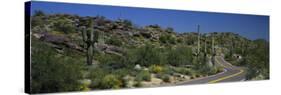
point(231, 73)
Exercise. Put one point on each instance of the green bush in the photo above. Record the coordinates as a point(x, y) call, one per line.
point(64, 25)
point(256, 59)
point(165, 78)
point(167, 39)
point(215, 70)
point(51, 72)
point(96, 75)
point(183, 70)
point(167, 70)
point(110, 82)
point(145, 56)
point(104, 79)
point(111, 62)
point(180, 56)
point(38, 18)
point(114, 41)
point(85, 85)
point(143, 76)
point(138, 84)
point(156, 69)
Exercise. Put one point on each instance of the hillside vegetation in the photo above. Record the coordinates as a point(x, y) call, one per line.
point(75, 53)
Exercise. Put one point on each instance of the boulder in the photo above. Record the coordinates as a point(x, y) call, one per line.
point(145, 69)
point(109, 49)
point(57, 40)
point(154, 82)
point(137, 67)
point(37, 35)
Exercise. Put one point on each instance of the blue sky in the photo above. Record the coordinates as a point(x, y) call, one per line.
point(250, 26)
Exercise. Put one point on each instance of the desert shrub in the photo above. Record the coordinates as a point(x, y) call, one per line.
point(103, 78)
point(167, 39)
point(183, 70)
point(215, 70)
point(110, 82)
point(204, 69)
point(167, 70)
point(114, 41)
point(145, 56)
point(156, 69)
point(180, 40)
point(219, 69)
point(37, 21)
point(64, 25)
point(111, 62)
point(38, 18)
point(229, 57)
point(122, 73)
point(143, 76)
point(96, 75)
point(165, 78)
point(85, 85)
point(128, 23)
point(255, 58)
point(84, 88)
point(53, 73)
point(180, 56)
point(138, 84)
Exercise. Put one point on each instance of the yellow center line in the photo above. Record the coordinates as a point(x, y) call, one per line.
point(226, 77)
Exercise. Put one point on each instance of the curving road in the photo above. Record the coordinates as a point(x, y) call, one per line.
point(231, 73)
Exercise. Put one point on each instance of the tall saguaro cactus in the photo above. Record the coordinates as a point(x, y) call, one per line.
point(89, 37)
point(213, 46)
point(205, 45)
point(205, 48)
point(213, 49)
point(198, 39)
point(198, 45)
point(232, 46)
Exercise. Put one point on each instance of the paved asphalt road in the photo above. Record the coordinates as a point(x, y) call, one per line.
point(231, 73)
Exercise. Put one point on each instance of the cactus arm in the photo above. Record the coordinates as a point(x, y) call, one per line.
point(84, 37)
point(89, 54)
point(96, 36)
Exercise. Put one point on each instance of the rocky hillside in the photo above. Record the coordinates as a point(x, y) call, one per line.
point(126, 55)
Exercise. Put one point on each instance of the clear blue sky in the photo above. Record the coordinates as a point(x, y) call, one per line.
point(250, 26)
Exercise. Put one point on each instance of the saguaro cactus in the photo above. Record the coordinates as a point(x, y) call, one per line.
point(232, 46)
point(205, 48)
point(213, 49)
point(213, 46)
point(205, 45)
point(89, 37)
point(198, 39)
point(198, 45)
